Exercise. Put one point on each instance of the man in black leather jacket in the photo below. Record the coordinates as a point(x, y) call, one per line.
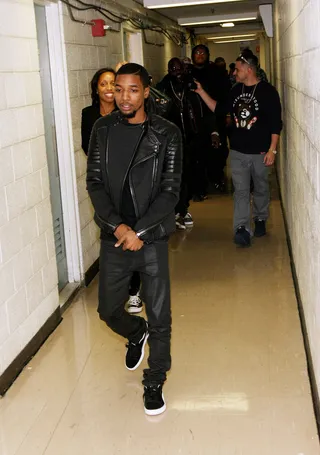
point(133, 179)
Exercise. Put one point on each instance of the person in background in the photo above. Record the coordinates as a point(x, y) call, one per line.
point(221, 65)
point(103, 103)
point(133, 180)
point(189, 114)
point(255, 111)
point(216, 84)
point(232, 77)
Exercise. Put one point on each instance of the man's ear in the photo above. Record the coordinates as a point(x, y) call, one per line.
point(146, 92)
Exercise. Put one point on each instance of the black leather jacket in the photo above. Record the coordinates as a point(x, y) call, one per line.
point(154, 177)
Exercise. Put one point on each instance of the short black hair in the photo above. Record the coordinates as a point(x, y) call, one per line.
point(136, 70)
point(232, 66)
point(248, 57)
point(94, 84)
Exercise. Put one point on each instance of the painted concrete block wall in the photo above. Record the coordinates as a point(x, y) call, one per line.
point(85, 55)
point(297, 57)
point(28, 273)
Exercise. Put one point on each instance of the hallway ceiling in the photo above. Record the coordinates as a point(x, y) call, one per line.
point(236, 9)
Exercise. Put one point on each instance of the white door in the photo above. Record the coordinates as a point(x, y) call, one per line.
point(51, 145)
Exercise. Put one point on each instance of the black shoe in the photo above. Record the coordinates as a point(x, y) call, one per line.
point(242, 237)
point(153, 399)
point(198, 198)
point(135, 352)
point(260, 228)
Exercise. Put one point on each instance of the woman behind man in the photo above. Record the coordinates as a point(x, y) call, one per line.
point(102, 95)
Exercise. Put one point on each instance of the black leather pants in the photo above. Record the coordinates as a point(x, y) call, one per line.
point(116, 269)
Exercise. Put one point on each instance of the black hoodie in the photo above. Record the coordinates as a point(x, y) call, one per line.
point(213, 81)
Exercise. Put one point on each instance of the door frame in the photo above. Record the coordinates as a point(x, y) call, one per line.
point(65, 144)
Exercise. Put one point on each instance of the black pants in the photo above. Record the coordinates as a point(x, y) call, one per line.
point(135, 283)
point(186, 183)
point(116, 269)
point(200, 149)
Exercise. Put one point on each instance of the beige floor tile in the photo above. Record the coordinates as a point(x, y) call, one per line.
point(238, 384)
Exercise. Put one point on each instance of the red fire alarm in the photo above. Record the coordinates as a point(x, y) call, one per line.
point(98, 29)
point(257, 49)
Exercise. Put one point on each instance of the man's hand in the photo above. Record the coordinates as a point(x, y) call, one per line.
point(199, 88)
point(121, 230)
point(130, 241)
point(215, 140)
point(269, 158)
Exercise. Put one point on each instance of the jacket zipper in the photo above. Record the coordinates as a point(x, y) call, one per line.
point(155, 166)
point(125, 177)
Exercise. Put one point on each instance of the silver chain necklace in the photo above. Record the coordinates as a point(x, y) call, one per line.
point(248, 100)
point(180, 98)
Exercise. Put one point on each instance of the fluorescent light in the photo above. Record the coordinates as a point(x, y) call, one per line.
point(234, 40)
point(207, 20)
point(227, 24)
point(231, 36)
point(151, 4)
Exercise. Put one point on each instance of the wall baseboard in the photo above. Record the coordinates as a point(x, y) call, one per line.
point(15, 368)
point(92, 271)
point(311, 371)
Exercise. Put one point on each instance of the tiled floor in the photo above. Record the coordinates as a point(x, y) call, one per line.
point(238, 385)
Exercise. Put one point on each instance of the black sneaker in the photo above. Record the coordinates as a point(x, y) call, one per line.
point(134, 304)
point(135, 352)
point(260, 228)
point(242, 237)
point(153, 399)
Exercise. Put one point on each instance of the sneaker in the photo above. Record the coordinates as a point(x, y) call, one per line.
point(134, 304)
point(135, 352)
point(153, 399)
point(260, 228)
point(180, 222)
point(242, 237)
point(188, 220)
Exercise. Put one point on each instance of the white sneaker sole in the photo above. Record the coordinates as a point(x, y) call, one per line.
point(156, 412)
point(134, 309)
point(189, 224)
point(180, 227)
point(142, 355)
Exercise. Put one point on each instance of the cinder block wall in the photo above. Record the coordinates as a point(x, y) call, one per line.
point(297, 52)
point(28, 272)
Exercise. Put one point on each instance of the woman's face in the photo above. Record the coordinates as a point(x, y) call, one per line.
point(106, 87)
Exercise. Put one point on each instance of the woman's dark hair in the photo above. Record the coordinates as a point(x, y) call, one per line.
point(136, 70)
point(248, 57)
point(94, 84)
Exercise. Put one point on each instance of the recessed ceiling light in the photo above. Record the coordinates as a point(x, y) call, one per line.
point(151, 4)
point(215, 19)
point(231, 36)
point(234, 40)
point(227, 24)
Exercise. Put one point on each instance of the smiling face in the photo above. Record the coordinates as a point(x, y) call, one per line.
point(105, 87)
point(130, 95)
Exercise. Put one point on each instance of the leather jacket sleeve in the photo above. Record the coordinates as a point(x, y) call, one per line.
point(105, 213)
point(168, 197)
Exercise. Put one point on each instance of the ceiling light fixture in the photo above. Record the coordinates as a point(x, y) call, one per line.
point(227, 24)
point(234, 41)
point(231, 36)
point(152, 4)
point(217, 19)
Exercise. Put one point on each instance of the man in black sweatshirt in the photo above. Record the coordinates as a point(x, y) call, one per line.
point(133, 180)
point(256, 124)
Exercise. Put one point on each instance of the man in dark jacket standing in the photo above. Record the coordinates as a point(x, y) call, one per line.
point(133, 179)
point(216, 83)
